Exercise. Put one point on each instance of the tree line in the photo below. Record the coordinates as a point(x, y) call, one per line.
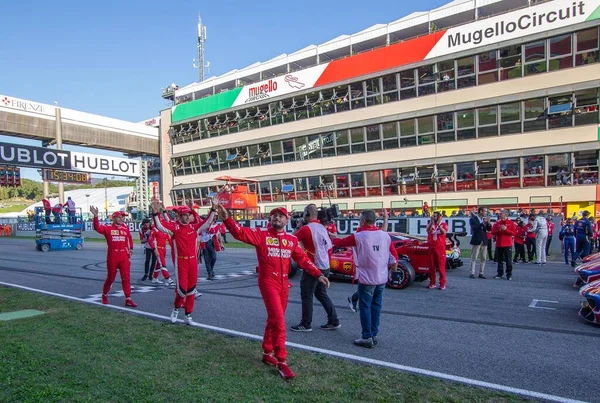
point(32, 190)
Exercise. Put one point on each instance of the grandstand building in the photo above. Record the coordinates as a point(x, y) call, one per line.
point(479, 102)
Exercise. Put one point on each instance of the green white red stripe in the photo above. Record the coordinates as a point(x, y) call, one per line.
point(532, 20)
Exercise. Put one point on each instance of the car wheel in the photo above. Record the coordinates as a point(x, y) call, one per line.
point(293, 269)
point(402, 276)
point(45, 247)
point(79, 246)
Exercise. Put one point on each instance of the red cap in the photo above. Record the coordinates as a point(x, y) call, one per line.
point(119, 214)
point(280, 210)
point(184, 210)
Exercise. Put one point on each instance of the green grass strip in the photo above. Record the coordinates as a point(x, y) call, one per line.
point(77, 352)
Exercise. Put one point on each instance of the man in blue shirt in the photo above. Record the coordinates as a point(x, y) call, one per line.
point(567, 235)
point(583, 234)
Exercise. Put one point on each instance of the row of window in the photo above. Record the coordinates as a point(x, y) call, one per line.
point(565, 110)
point(560, 52)
point(339, 53)
point(564, 169)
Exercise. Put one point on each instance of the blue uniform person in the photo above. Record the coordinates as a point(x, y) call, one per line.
point(567, 235)
point(583, 234)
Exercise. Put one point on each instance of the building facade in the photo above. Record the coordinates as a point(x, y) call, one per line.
point(500, 110)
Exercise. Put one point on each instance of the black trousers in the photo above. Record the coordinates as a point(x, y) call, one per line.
point(548, 244)
point(150, 262)
point(519, 252)
point(310, 286)
point(530, 242)
point(210, 257)
point(504, 254)
point(489, 249)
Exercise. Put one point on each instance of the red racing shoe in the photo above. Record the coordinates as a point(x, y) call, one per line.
point(269, 359)
point(285, 371)
point(105, 299)
point(129, 302)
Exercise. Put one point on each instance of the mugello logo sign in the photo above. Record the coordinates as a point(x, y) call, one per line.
point(261, 91)
point(279, 85)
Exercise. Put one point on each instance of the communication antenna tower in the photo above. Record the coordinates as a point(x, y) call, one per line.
point(199, 63)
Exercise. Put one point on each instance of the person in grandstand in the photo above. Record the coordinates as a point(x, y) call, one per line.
point(185, 239)
point(274, 250)
point(120, 248)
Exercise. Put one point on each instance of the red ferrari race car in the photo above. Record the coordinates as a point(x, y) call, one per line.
point(590, 308)
point(413, 264)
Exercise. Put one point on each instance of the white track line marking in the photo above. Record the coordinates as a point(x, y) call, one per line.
point(399, 367)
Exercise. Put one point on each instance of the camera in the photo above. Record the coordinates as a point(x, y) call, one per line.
point(324, 215)
point(297, 220)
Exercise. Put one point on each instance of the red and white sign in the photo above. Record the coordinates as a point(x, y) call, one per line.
point(154, 122)
point(277, 86)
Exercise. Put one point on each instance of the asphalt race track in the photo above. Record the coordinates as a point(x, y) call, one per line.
point(487, 330)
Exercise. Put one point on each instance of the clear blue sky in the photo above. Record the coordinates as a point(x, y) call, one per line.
point(113, 57)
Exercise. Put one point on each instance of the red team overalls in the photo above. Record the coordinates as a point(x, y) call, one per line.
point(185, 256)
point(274, 251)
point(438, 255)
point(159, 239)
point(120, 244)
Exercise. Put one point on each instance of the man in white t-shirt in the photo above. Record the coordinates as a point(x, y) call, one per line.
point(315, 240)
point(71, 210)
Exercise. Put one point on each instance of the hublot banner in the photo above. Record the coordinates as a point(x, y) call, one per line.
point(40, 157)
point(345, 226)
point(35, 157)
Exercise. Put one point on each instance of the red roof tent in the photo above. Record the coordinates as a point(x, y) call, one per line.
point(242, 197)
point(233, 179)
